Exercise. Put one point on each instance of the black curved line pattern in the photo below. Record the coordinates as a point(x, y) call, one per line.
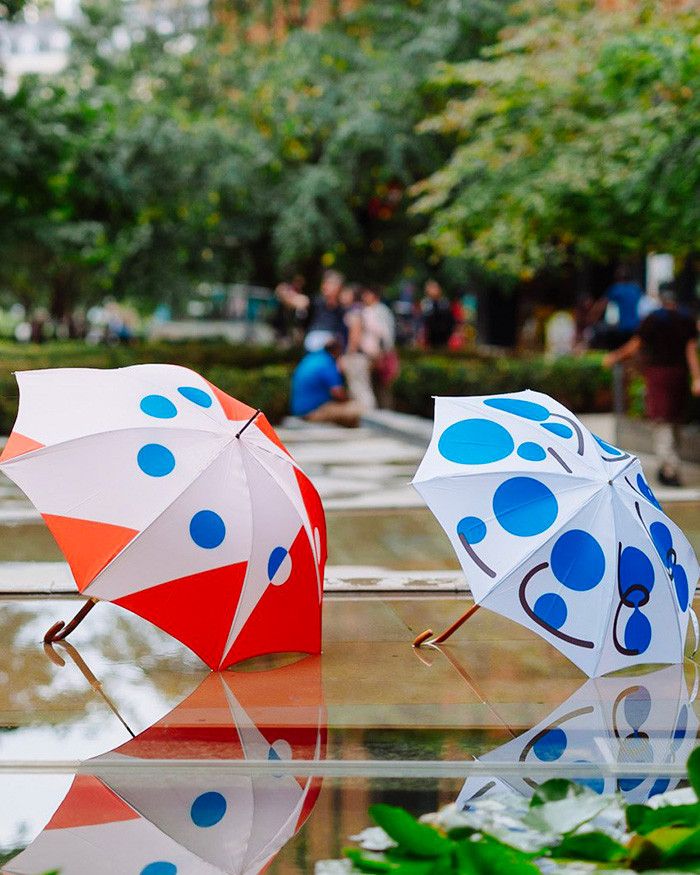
point(571, 715)
point(671, 553)
point(479, 793)
point(621, 458)
point(482, 565)
point(559, 459)
point(624, 602)
point(616, 705)
point(575, 426)
point(579, 642)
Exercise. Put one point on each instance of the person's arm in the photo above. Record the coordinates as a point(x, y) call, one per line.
point(353, 320)
point(691, 356)
point(339, 393)
point(626, 351)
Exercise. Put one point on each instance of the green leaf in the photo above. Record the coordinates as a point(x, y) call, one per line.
point(694, 771)
point(415, 838)
point(644, 820)
point(489, 856)
point(567, 814)
point(688, 848)
point(368, 864)
point(594, 846)
point(459, 833)
point(555, 790)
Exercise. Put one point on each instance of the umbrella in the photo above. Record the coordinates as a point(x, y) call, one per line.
point(558, 530)
point(159, 821)
point(174, 500)
point(645, 719)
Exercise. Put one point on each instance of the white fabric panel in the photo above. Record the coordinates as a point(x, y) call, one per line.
point(166, 550)
point(109, 848)
point(100, 478)
point(274, 523)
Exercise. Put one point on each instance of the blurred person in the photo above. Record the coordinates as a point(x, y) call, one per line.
point(293, 306)
point(318, 392)
point(326, 312)
point(625, 293)
point(668, 342)
point(355, 364)
point(438, 321)
point(379, 343)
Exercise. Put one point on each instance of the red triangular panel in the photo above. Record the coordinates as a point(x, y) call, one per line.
point(288, 617)
point(17, 445)
point(233, 408)
point(263, 424)
point(88, 546)
point(198, 728)
point(197, 610)
point(89, 802)
point(309, 802)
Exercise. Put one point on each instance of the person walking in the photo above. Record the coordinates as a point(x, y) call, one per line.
point(438, 321)
point(667, 340)
point(327, 313)
point(379, 344)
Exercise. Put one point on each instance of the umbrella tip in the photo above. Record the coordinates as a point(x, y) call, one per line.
point(423, 637)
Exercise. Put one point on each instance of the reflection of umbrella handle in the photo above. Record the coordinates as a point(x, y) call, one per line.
point(82, 667)
point(61, 630)
point(446, 633)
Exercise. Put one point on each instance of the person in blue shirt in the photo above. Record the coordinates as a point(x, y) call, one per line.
point(318, 390)
point(626, 294)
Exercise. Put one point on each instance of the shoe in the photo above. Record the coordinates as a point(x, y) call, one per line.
point(668, 479)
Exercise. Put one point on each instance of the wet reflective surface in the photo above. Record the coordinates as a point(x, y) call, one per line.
point(280, 758)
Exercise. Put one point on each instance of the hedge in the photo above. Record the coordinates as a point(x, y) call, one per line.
point(581, 383)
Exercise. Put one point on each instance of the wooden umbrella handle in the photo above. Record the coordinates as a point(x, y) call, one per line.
point(446, 633)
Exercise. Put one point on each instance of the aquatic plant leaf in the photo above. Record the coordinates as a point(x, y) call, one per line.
point(565, 815)
point(596, 847)
point(418, 839)
point(694, 771)
point(488, 856)
point(643, 819)
point(368, 864)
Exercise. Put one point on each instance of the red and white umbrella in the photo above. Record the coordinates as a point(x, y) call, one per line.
point(172, 499)
point(162, 821)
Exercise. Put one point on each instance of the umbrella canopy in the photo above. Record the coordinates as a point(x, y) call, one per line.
point(121, 820)
point(646, 719)
point(165, 501)
point(559, 530)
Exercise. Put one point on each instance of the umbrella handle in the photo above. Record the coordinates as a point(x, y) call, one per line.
point(446, 633)
point(61, 630)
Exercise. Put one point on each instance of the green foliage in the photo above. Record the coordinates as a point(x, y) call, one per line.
point(582, 384)
point(662, 839)
point(578, 134)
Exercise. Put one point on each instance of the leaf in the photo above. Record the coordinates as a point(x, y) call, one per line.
point(555, 790)
point(694, 771)
point(459, 833)
point(686, 849)
point(489, 856)
point(415, 838)
point(644, 820)
point(565, 815)
point(367, 864)
point(594, 846)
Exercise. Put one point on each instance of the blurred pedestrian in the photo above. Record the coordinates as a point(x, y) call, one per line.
point(355, 364)
point(318, 393)
point(625, 293)
point(292, 309)
point(327, 313)
point(379, 344)
point(668, 342)
point(438, 321)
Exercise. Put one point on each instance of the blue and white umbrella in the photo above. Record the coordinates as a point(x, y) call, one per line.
point(559, 530)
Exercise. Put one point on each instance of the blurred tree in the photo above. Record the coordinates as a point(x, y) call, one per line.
point(578, 135)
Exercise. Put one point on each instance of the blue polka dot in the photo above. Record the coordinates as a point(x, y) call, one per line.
point(578, 560)
point(637, 632)
point(681, 730)
point(680, 582)
point(646, 491)
point(272, 755)
point(472, 529)
point(475, 442)
point(531, 452)
point(663, 541)
point(609, 448)
point(636, 570)
point(196, 396)
point(660, 785)
point(597, 785)
point(526, 409)
point(159, 867)
point(637, 707)
point(551, 609)
point(158, 406)
point(525, 506)
point(550, 745)
point(559, 429)
point(207, 529)
point(155, 460)
point(626, 785)
point(277, 557)
point(208, 809)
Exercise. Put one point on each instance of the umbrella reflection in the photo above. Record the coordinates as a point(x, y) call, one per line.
point(132, 813)
point(646, 719)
